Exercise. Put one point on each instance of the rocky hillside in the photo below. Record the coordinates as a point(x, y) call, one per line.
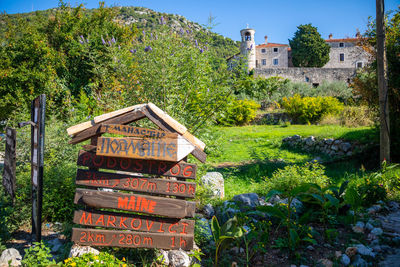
point(144, 19)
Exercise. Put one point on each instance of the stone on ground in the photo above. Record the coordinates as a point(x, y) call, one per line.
point(215, 182)
point(10, 254)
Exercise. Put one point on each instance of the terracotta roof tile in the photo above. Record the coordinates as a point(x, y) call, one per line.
point(343, 40)
point(271, 45)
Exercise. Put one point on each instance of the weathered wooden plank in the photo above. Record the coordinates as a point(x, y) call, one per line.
point(197, 152)
point(134, 222)
point(131, 182)
point(106, 238)
point(96, 128)
point(164, 168)
point(168, 207)
point(85, 125)
point(179, 128)
point(136, 131)
point(9, 169)
point(144, 148)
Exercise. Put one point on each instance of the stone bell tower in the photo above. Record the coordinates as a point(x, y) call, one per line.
point(248, 46)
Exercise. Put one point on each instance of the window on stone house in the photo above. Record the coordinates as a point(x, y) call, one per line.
point(263, 50)
point(247, 36)
point(264, 62)
point(275, 49)
point(341, 44)
point(275, 62)
point(341, 57)
point(359, 65)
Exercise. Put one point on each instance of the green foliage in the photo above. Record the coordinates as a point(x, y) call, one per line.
point(89, 259)
point(38, 255)
point(310, 109)
point(351, 116)
point(338, 89)
point(308, 47)
point(286, 179)
point(225, 234)
point(369, 188)
point(239, 112)
point(366, 85)
point(297, 234)
point(259, 88)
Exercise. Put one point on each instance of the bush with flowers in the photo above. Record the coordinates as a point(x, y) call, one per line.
point(89, 259)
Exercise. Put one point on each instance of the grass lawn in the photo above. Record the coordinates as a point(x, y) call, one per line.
point(246, 155)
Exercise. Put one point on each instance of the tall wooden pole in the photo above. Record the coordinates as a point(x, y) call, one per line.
point(382, 82)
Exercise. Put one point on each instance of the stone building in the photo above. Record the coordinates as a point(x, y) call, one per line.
point(273, 59)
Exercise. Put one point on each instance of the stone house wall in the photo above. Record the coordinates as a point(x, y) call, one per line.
point(352, 54)
point(310, 75)
point(269, 55)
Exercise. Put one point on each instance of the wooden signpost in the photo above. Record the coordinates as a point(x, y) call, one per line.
point(37, 160)
point(147, 206)
point(9, 169)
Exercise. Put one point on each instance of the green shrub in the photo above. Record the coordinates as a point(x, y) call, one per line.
point(310, 109)
point(338, 89)
point(290, 177)
point(239, 112)
point(350, 116)
point(37, 255)
point(89, 259)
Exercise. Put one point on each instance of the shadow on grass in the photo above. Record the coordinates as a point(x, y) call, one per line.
point(362, 136)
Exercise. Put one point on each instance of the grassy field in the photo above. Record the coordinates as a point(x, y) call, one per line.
point(247, 155)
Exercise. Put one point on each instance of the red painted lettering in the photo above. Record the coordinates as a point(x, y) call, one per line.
point(125, 163)
point(149, 226)
point(86, 157)
point(178, 169)
point(161, 228)
point(139, 199)
point(131, 205)
point(100, 220)
point(136, 227)
point(162, 167)
point(184, 228)
point(83, 237)
point(109, 221)
point(122, 203)
point(152, 205)
point(100, 163)
point(187, 171)
point(138, 165)
point(122, 222)
point(145, 204)
point(84, 219)
point(182, 243)
point(136, 240)
point(170, 228)
point(111, 162)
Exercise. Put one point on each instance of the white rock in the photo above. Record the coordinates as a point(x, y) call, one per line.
point(162, 257)
point(11, 254)
point(178, 258)
point(363, 250)
point(215, 182)
point(77, 251)
point(377, 231)
point(345, 260)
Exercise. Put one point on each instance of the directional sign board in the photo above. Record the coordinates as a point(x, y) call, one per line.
point(135, 184)
point(167, 149)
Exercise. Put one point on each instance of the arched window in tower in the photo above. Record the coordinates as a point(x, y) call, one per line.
point(247, 36)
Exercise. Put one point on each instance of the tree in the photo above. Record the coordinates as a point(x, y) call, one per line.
point(308, 47)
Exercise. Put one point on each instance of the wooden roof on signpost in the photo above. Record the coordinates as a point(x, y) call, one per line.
point(89, 129)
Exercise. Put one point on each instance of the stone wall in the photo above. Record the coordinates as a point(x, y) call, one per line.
point(353, 54)
point(310, 75)
point(331, 147)
point(270, 55)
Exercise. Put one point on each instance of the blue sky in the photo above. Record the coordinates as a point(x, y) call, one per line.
point(278, 19)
